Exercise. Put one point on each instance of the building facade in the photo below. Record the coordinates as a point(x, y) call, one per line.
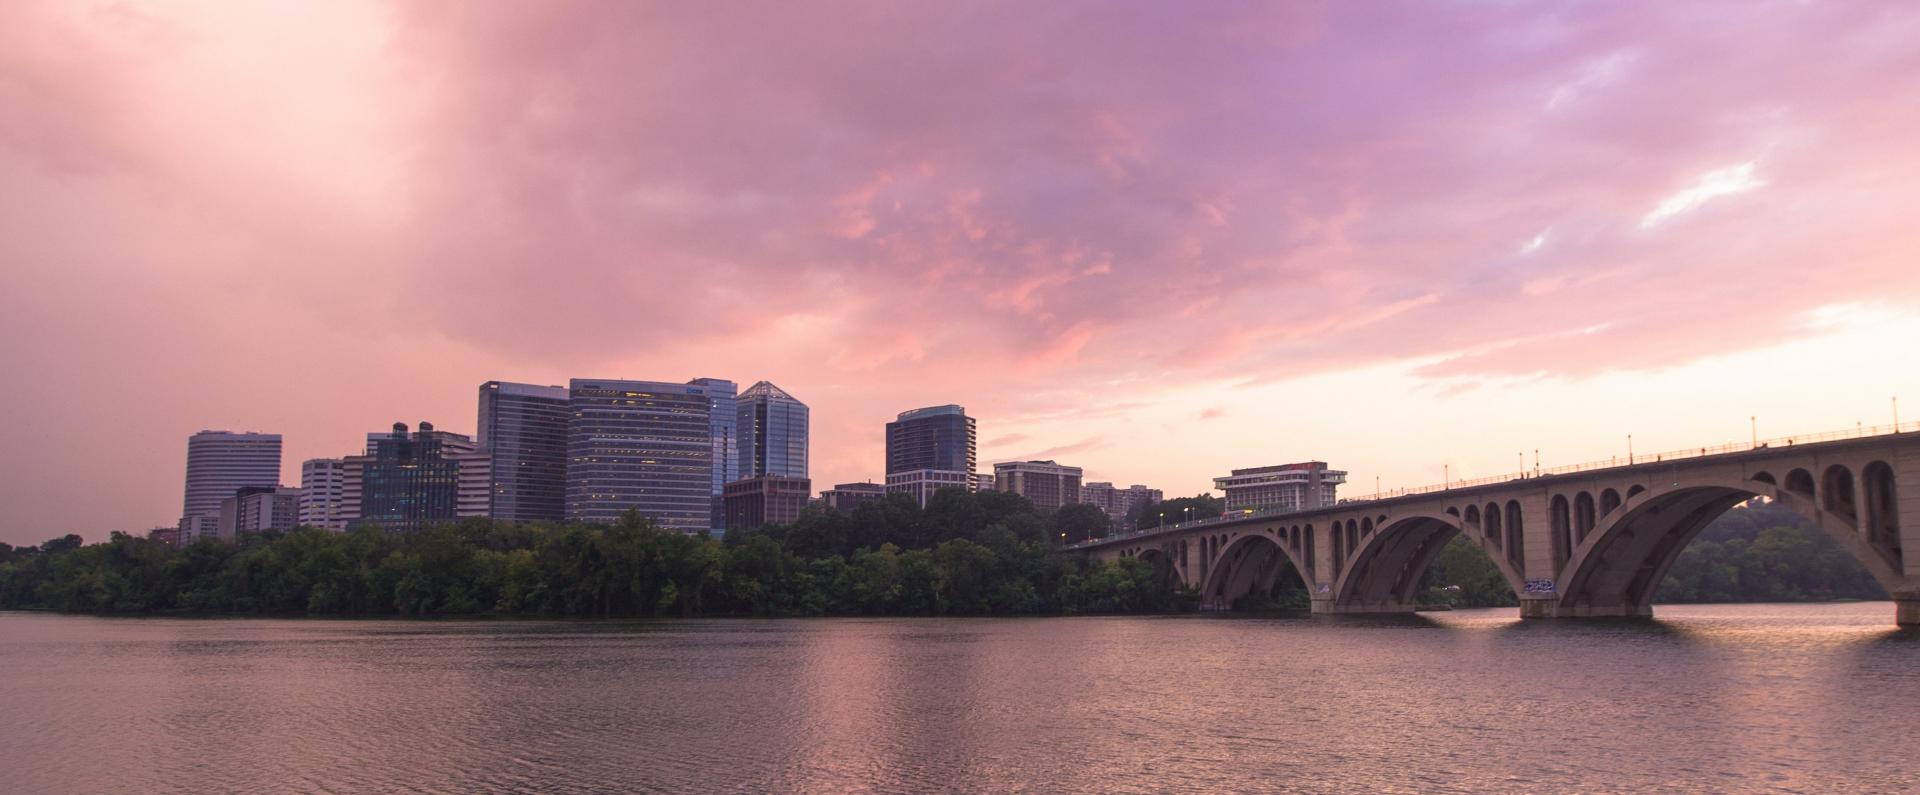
point(1046, 484)
point(651, 447)
point(769, 499)
point(406, 482)
point(922, 483)
point(194, 528)
point(323, 497)
point(723, 429)
point(937, 438)
point(844, 497)
point(1120, 504)
point(985, 481)
point(523, 431)
point(220, 463)
point(255, 509)
point(772, 425)
point(1285, 487)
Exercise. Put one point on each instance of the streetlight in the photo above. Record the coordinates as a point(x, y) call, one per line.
point(1753, 425)
point(1163, 519)
point(1629, 449)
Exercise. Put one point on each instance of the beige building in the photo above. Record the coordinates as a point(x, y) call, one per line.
point(1047, 484)
point(1287, 487)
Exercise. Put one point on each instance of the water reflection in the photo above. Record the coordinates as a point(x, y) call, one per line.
point(1814, 698)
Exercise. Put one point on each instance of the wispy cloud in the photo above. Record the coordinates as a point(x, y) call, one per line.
point(1594, 74)
point(1538, 242)
point(1711, 185)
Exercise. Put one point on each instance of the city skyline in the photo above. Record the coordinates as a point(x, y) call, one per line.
point(1419, 244)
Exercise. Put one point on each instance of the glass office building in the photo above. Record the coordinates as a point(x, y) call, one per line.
point(937, 437)
point(523, 429)
point(773, 433)
point(406, 482)
point(658, 448)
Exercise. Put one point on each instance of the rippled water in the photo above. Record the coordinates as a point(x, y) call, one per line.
point(1719, 698)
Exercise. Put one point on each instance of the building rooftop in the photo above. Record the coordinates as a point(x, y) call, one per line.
point(932, 411)
point(767, 389)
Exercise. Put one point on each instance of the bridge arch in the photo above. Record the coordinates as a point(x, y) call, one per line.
point(1250, 563)
point(1620, 568)
point(1165, 560)
point(1384, 573)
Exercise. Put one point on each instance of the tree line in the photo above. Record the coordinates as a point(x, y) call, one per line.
point(963, 554)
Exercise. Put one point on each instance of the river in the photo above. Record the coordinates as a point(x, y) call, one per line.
point(1794, 698)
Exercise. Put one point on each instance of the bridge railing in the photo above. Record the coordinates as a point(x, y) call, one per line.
point(1857, 432)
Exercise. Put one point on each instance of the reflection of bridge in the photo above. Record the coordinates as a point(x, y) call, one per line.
point(1591, 542)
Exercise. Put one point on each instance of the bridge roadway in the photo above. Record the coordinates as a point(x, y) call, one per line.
point(1588, 541)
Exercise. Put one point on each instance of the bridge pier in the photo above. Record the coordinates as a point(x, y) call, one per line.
point(1907, 610)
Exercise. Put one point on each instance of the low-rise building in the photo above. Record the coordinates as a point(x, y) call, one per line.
point(1047, 484)
point(765, 500)
point(255, 509)
point(1120, 504)
point(922, 483)
point(1286, 487)
point(844, 497)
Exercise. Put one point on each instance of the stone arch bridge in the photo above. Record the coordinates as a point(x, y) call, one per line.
point(1587, 543)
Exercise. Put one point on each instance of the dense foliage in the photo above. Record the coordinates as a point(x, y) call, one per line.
point(965, 554)
point(1766, 553)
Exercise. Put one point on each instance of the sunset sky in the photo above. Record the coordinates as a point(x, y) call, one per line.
point(1155, 240)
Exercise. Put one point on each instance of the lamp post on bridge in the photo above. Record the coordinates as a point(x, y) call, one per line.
point(1629, 449)
point(1753, 425)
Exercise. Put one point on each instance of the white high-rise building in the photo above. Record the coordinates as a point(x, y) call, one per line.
point(221, 463)
point(323, 484)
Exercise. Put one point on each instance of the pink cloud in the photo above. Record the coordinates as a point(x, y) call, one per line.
point(1016, 206)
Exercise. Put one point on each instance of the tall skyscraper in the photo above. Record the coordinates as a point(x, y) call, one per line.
point(407, 482)
point(773, 432)
point(723, 425)
point(938, 437)
point(1046, 484)
point(323, 484)
point(523, 429)
point(220, 463)
point(649, 446)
